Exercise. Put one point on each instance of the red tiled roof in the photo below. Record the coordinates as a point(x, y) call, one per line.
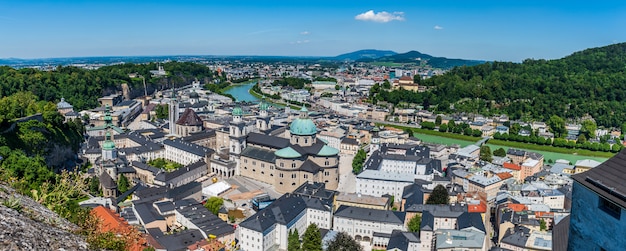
point(112, 222)
point(512, 166)
point(477, 208)
point(517, 207)
point(504, 176)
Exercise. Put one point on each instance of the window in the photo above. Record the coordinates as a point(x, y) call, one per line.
point(293, 165)
point(280, 175)
point(293, 175)
point(282, 164)
point(610, 208)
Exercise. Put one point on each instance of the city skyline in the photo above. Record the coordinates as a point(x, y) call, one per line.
point(487, 30)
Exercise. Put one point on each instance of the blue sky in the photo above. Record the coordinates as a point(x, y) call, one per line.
point(488, 30)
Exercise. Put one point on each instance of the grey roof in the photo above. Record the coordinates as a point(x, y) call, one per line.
point(310, 167)
point(266, 140)
point(560, 235)
point(516, 152)
point(316, 190)
point(349, 141)
point(282, 211)
point(144, 166)
point(413, 195)
point(400, 239)
point(467, 220)
point(106, 181)
point(368, 214)
point(199, 135)
point(259, 153)
point(189, 147)
point(147, 213)
point(126, 103)
point(516, 236)
point(164, 206)
point(204, 219)
point(177, 241)
point(607, 179)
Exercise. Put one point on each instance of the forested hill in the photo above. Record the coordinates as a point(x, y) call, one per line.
point(591, 82)
point(417, 57)
point(82, 88)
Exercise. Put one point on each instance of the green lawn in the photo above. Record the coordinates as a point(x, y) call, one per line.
point(164, 164)
point(549, 152)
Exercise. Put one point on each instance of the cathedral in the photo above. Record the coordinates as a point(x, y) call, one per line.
point(285, 163)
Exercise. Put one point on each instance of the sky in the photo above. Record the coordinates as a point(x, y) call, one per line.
point(482, 30)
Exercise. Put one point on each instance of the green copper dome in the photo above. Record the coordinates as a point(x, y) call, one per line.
point(303, 127)
point(237, 111)
point(108, 143)
point(263, 106)
point(328, 151)
point(288, 153)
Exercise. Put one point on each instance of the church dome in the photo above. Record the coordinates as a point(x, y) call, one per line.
point(63, 104)
point(263, 106)
point(194, 95)
point(302, 126)
point(237, 111)
point(108, 143)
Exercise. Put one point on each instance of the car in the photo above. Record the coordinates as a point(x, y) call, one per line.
point(244, 205)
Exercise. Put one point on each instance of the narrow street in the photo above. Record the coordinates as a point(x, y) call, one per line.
point(347, 179)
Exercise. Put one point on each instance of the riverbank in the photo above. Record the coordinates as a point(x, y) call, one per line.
point(549, 152)
point(271, 100)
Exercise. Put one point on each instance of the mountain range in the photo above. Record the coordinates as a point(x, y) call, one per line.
point(369, 55)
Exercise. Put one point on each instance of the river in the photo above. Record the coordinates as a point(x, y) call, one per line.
point(241, 92)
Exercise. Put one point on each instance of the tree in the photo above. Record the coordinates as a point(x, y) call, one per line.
point(542, 225)
point(357, 162)
point(343, 242)
point(485, 153)
point(162, 111)
point(94, 186)
point(439, 196)
point(415, 223)
point(443, 128)
point(122, 184)
point(557, 125)
point(337, 87)
point(386, 84)
point(500, 152)
point(438, 120)
point(312, 239)
point(588, 128)
point(293, 241)
point(214, 204)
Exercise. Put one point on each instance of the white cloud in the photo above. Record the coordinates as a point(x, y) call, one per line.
point(305, 33)
point(300, 42)
point(437, 27)
point(380, 17)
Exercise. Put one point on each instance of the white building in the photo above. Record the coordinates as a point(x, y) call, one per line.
point(362, 223)
point(379, 183)
point(184, 152)
point(269, 228)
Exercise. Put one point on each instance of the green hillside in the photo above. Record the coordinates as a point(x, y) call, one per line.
point(590, 82)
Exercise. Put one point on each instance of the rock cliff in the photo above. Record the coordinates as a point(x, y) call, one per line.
point(27, 225)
